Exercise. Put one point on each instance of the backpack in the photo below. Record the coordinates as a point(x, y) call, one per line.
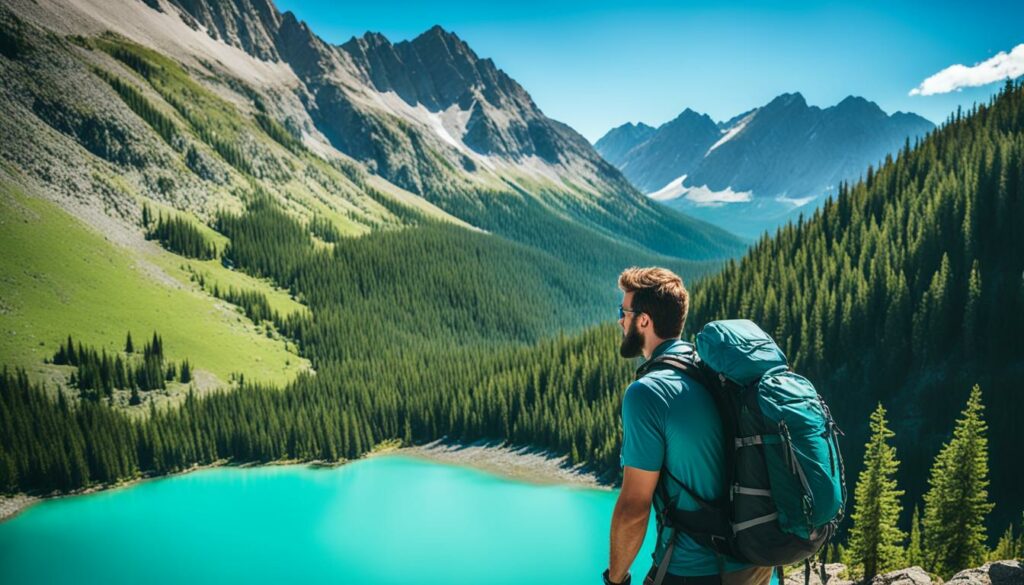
point(784, 475)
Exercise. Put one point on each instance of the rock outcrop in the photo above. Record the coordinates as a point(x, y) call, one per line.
point(994, 573)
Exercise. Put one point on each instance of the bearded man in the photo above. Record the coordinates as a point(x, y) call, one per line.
point(670, 429)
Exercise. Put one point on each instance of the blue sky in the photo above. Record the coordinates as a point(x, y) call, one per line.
point(596, 64)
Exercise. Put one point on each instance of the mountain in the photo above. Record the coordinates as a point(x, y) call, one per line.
point(678, 144)
point(424, 122)
point(133, 128)
point(906, 289)
point(761, 167)
point(614, 145)
point(394, 228)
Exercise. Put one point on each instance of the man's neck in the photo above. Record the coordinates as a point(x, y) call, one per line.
point(652, 344)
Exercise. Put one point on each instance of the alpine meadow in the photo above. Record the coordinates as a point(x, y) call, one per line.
point(227, 241)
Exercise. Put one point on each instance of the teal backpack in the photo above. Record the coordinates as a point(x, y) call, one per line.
point(785, 481)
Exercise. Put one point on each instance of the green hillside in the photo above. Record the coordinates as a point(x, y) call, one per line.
point(61, 278)
point(907, 289)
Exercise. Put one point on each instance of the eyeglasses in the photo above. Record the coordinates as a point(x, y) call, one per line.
point(623, 311)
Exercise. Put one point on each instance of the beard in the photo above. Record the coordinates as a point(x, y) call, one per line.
point(632, 341)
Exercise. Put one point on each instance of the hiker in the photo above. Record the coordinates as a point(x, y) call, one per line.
point(669, 422)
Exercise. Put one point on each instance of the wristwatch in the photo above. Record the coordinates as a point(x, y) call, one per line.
point(608, 580)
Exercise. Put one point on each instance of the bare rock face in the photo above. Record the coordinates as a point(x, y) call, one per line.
point(995, 573)
point(246, 24)
point(911, 576)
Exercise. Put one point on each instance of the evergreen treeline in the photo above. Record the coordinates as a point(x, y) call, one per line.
point(182, 237)
point(324, 229)
point(563, 394)
point(434, 286)
point(253, 302)
point(139, 104)
point(48, 444)
point(98, 374)
point(278, 132)
point(210, 119)
point(906, 289)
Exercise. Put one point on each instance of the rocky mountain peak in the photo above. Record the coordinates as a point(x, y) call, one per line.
point(689, 118)
point(785, 154)
point(300, 47)
point(249, 25)
point(614, 145)
point(787, 101)
point(858, 106)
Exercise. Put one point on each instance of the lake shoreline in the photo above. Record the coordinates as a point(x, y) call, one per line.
point(518, 463)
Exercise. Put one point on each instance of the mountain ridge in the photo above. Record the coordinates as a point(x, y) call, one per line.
point(463, 134)
point(782, 155)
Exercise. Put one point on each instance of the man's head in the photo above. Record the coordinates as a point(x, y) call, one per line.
point(654, 306)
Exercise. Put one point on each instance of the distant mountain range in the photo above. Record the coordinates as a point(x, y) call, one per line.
point(755, 171)
point(246, 92)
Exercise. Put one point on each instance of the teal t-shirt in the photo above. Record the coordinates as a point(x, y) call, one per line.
point(669, 419)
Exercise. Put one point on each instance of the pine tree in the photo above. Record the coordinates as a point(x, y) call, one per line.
point(957, 500)
point(128, 346)
point(915, 556)
point(875, 537)
point(970, 322)
point(1007, 547)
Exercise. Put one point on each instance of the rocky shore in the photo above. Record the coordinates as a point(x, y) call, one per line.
point(11, 505)
point(519, 463)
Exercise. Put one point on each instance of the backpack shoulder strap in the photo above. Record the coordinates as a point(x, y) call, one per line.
point(686, 363)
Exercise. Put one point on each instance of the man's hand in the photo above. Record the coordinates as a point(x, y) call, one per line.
point(629, 521)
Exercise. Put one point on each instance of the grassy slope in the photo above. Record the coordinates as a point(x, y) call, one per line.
point(59, 277)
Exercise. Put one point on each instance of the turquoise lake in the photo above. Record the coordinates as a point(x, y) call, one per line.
point(385, 520)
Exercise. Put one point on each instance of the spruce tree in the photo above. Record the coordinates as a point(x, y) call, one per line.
point(915, 556)
point(875, 539)
point(128, 346)
point(957, 500)
point(1007, 547)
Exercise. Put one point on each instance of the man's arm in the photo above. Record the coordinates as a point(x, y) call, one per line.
point(630, 518)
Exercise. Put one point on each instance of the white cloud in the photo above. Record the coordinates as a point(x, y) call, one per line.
point(795, 201)
point(956, 77)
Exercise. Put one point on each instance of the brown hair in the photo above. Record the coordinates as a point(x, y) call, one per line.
point(659, 293)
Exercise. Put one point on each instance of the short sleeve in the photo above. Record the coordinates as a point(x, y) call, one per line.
point(643, 443)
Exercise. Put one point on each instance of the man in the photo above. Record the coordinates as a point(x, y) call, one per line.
point(668, 421)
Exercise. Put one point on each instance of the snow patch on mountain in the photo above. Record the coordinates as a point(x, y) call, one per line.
point(732, 132)
point(704, 197)
point(700, 196)
point(671, 191)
